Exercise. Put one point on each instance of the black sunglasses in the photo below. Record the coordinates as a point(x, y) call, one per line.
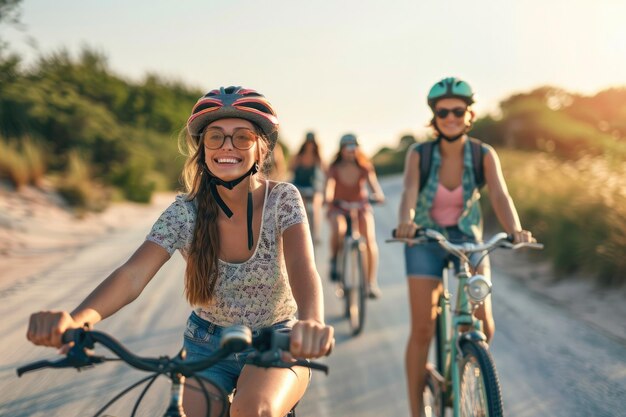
point(242, 138)
point(457, 112)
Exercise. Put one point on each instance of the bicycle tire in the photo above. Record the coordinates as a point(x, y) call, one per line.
point(480, 393)
point(355, 289)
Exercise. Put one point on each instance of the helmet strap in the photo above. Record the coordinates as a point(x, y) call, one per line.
point(449, 138)
point(215, 181)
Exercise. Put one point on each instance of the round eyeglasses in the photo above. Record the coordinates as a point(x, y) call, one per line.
point(242, 138)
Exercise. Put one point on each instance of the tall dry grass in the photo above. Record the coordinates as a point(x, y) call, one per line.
point(78, 187)
point(577, 208)
point(33, 153)
point(22, 162)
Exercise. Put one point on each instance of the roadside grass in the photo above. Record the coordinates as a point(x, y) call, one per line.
point(79, 189)
point(577, 208)
point(22, 162)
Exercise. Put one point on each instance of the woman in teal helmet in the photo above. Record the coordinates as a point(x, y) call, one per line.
point(448, 201)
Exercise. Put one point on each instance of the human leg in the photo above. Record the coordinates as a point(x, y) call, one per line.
point(424, 292)
point(338, 231)
point(270, 392)
point(368, 231)
point(201, 339)
point(318, 199)
point(484, 312)
point(196, 401)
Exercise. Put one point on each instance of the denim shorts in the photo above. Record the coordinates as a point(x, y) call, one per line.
point(429, 259)
point(202, 338)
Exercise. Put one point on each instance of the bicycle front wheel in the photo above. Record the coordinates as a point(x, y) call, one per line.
point(355, 289)
point(480, 394)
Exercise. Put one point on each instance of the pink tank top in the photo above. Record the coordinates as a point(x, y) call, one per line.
point(447, 206)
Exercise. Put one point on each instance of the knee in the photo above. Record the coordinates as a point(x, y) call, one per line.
point(258, 408)
point(372, 246)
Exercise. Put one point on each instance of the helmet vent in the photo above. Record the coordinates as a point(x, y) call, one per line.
point(257, 106)
point(204, 106)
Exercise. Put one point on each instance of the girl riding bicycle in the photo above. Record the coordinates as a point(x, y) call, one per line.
point(348, 177)
point(308, 177)
point(262, 280)
point(449, 203)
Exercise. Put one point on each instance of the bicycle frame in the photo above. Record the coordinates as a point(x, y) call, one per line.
point(464, 326)
point(352, 236)
point(352, 267)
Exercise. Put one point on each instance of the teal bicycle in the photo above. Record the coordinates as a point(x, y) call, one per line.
point(464, 376)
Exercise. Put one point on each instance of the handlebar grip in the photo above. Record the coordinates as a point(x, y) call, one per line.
point(33, 367)
point(418, 232)
point(281, 340)
point(72, 335)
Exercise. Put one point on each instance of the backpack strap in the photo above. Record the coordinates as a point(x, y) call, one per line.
point(425, 150)
point(478, 153)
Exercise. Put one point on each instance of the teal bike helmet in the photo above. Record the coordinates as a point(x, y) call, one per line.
point(348, 139)
point(450, 87)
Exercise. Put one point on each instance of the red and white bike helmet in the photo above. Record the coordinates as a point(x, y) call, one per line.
point(236, 102)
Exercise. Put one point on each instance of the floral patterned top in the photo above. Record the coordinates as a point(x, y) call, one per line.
point(255, 293)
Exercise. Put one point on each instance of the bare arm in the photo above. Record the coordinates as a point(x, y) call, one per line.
point(374, 185)
point(123, 286)
point(119, 289)
point(501, 200)
point(406, 226)
point(310, 336)
point(329, 192)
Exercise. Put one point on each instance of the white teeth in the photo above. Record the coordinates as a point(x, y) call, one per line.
point(227, 160)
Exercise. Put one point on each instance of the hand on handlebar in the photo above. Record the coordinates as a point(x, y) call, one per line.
point(311, 339)
point(47, 327)
point(378, 198)
point(523, 236)
point(406, 230)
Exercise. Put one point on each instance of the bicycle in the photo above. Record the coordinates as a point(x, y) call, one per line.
point(352, 279)
point(268, 345)
point(465, 376)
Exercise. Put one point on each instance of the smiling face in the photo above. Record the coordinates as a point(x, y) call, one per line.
point(451, 125)
point(228, 162)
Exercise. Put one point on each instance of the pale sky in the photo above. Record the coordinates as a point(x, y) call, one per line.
point(359, 66)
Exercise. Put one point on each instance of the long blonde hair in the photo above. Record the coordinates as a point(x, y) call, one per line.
point(202, 258)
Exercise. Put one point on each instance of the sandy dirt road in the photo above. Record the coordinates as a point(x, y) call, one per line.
point(549, 362)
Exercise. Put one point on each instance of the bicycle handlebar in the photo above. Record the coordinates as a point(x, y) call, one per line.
point(354, 205)
point(501, 240)
point(268, 346)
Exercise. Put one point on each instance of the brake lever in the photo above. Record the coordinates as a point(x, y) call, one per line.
point(76, 358)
